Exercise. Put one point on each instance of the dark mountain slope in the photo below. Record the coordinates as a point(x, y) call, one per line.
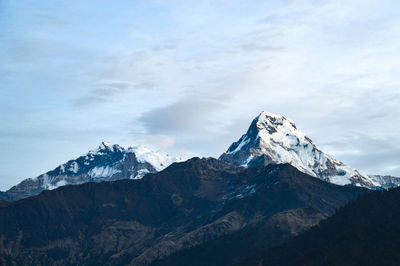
point(186, 205)
point(228, 249)
point(364, 232)
point(297, 202)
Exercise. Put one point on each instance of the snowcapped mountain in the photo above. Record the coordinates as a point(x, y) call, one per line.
point(386, 181)
point(274, 139)
point(107, 163)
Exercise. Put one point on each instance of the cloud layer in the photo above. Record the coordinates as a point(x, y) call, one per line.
point(189, 77)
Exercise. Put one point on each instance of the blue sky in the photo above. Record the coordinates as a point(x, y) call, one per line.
point(188, 76)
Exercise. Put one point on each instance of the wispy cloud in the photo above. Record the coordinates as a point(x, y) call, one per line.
point(108, 92)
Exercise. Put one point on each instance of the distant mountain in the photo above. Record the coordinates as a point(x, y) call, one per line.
point(187, 205)
point(270, 139)
point(386, 181)
point(364, 232)
point(107, 163)
point(273, 139)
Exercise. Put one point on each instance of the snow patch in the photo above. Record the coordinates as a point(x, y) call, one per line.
point(239, 147)
point(340, 180)
point(140, 174)
point(103, 171)
point(157, 159)
point(57, 185)
point(74, 167)
point(246, 163)
point(47, 182)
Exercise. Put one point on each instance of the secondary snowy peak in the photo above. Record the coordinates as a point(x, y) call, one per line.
point(106, 146)
point(108, 162)
point(275, 139)
point(158, 160)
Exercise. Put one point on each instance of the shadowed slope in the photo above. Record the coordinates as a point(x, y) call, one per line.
point(140, 221)
point(364, 232)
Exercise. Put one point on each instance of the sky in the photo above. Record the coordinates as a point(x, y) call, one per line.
point(187, 77)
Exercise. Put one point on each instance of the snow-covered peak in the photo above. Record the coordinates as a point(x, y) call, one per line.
point(277, 124)
point(268, 127)
point(263, 116)
point(108, 162)
point(273, 138)
point(159, 160)
point(106, 147)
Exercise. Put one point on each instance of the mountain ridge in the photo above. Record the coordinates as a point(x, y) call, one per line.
point(108, 162)
point(362, 232)
point(273, 138)
point(187, 204)
point(270, 139)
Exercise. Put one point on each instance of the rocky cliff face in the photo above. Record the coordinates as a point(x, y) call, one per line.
point(107, 163)
point(273, 139)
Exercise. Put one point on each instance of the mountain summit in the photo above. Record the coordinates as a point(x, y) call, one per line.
point(273, 139)
point(109, 162)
